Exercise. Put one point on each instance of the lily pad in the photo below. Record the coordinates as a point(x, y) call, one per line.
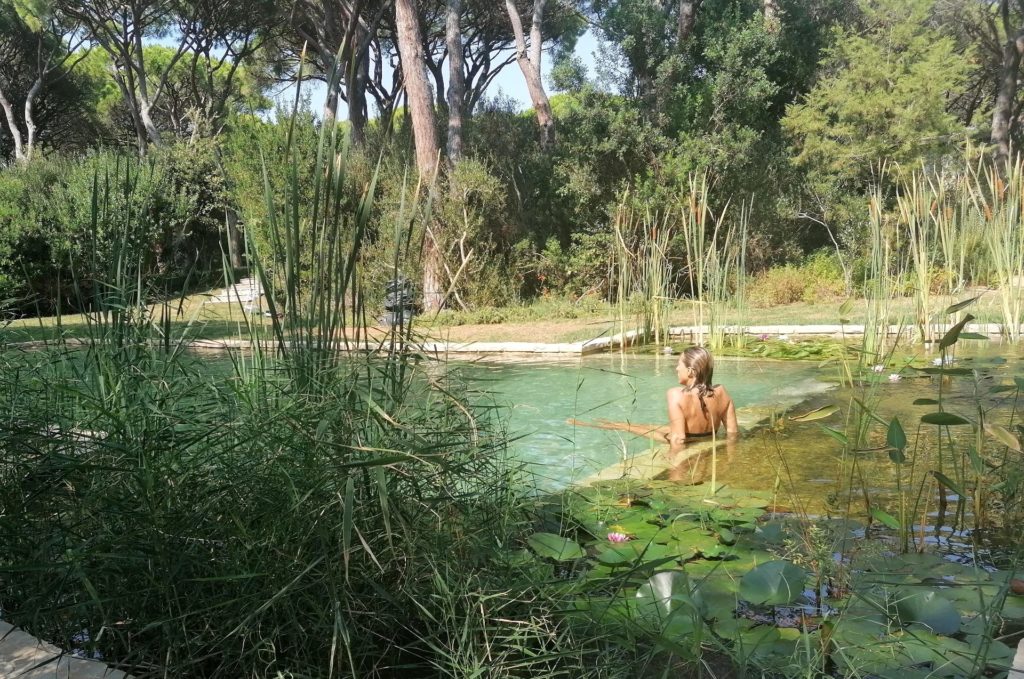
point(928, 608)
point(668, 592)
point(553, 546)
point(773, 583)
point(944, 419)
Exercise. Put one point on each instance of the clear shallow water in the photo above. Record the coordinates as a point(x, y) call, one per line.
point(541, 396)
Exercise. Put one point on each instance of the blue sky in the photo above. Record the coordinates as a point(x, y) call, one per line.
point(509, 82)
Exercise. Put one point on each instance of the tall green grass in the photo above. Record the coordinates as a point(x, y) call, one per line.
point(642, 270)
point(287, 510)
point(715, 248)
point(996, 196)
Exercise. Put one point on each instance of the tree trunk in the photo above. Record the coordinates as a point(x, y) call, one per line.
point(1002, 113)
point(12, 126)
point(530, 64)
point(456, 81)
point(687, 18)
point(421, 110)
point(236, 243)
point(127, 91)
point(357, 114)
point(331, 105)
point(421, 105)
point(30, 120)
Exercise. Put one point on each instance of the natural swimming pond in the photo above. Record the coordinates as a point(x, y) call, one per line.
point(799, 462)
point(541, 396)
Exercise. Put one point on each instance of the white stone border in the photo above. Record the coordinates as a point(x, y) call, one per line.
point(22, 656)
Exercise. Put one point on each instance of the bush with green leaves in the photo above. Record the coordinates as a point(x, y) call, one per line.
point(169, 205)
point(818, 279)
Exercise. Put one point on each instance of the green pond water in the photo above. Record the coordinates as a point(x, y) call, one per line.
point(541, 396)
point(797, 461)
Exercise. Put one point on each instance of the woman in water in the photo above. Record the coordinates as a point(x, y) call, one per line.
point(698, 408)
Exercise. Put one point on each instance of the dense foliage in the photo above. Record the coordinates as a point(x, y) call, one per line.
point(791, 108)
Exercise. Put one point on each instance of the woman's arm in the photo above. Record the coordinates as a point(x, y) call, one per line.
point(731, 426)
point(676, 419)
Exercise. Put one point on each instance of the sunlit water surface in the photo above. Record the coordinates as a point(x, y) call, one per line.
point(541, 397)
point(795, 459)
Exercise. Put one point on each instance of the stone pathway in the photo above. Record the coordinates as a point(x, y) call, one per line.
point(246, 290)
point(22, 656)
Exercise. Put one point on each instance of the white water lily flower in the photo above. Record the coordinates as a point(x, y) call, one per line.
point(877, 368)
point(895, 377)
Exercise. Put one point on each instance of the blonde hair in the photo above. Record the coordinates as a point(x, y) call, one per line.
point(702, 363)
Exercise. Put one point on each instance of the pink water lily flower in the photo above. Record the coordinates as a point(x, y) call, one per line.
point(617, 537)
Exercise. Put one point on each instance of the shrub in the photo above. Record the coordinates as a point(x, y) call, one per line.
point(166, 208)
point(817, 279)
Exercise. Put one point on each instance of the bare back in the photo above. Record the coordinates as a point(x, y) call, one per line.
point(688, 418)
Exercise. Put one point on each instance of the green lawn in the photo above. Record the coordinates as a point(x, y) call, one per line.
point(546, 320)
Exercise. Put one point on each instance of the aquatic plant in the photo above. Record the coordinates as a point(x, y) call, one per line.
point(721, 574)
point(715, 248)
point(996, 195)
point(642, 270)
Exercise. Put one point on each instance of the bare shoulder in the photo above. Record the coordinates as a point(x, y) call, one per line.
point(675, 394)
point(722, 392)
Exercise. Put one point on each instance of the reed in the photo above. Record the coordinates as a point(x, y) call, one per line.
point(291, 510)
point(996, 195)
point(913, 212)
point(715, 248)
point(879, 286)
point(642, 271)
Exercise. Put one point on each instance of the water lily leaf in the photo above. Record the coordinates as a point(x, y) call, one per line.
point(773, 583)
point(816, 414)
point(946, 657)
point(731, 627)
point(1019, 381)
point(885, 518)
point(925, 402)
point(668, 592)
point(949, 483)
point(1002, 388)
point(656, 552)
point(555, 547)
point(736, 515)
point(973, 336)
point(944, 418)
point(752, 501)
point(1003, 436)
point(952, 309)
point(773, 532)
point(928, 608)
point(943, 371)
point(726, 537)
